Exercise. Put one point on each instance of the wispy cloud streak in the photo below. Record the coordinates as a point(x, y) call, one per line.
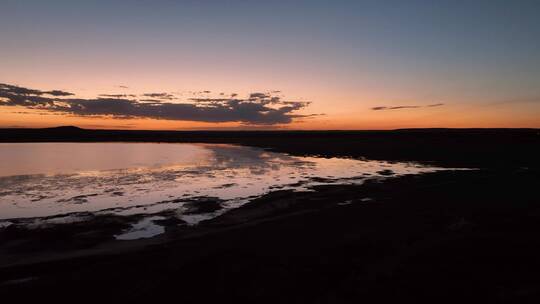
point(381, 108)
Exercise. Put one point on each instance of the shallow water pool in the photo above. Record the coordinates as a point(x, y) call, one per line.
point(49, 179)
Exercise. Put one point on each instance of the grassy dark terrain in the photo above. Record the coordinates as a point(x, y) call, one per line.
point(447, 237)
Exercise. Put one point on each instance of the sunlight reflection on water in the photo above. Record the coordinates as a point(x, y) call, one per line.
point(46, 179)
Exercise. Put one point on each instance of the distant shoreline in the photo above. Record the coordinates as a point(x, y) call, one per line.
point(444, 147)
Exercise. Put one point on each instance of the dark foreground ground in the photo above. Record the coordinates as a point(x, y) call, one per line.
point(445, 237)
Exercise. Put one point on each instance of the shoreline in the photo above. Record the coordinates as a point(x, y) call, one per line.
point(399, 225)
point(479, 148)
point(103, 228)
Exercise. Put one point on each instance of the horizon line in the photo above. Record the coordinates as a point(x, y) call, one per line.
point(271, 130)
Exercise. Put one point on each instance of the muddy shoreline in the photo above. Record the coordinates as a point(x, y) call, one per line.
point(27, 240)
point(468, 233)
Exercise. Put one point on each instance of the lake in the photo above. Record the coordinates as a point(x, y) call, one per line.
point(42, 181)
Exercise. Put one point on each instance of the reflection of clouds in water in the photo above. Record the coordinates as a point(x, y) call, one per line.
point(231, 173)
point(258, 161)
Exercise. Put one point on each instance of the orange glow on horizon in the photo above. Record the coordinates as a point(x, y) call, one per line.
point(366, 120)
point(341, 109)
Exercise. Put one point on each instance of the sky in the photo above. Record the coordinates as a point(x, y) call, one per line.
point(165, 64)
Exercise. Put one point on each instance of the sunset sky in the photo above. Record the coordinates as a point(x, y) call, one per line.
point(173, 64)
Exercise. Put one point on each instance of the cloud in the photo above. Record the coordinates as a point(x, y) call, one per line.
point(258, 95)
point(380, 108)
point(58, 93)
point(159, 95)
point(24, 91)
point(258, 109)
point(117, 95)
point(394, 108)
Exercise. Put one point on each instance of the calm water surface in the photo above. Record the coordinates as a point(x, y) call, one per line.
point(39, 180)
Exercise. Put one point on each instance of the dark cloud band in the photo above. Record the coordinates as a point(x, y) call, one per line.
point(258, 109)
